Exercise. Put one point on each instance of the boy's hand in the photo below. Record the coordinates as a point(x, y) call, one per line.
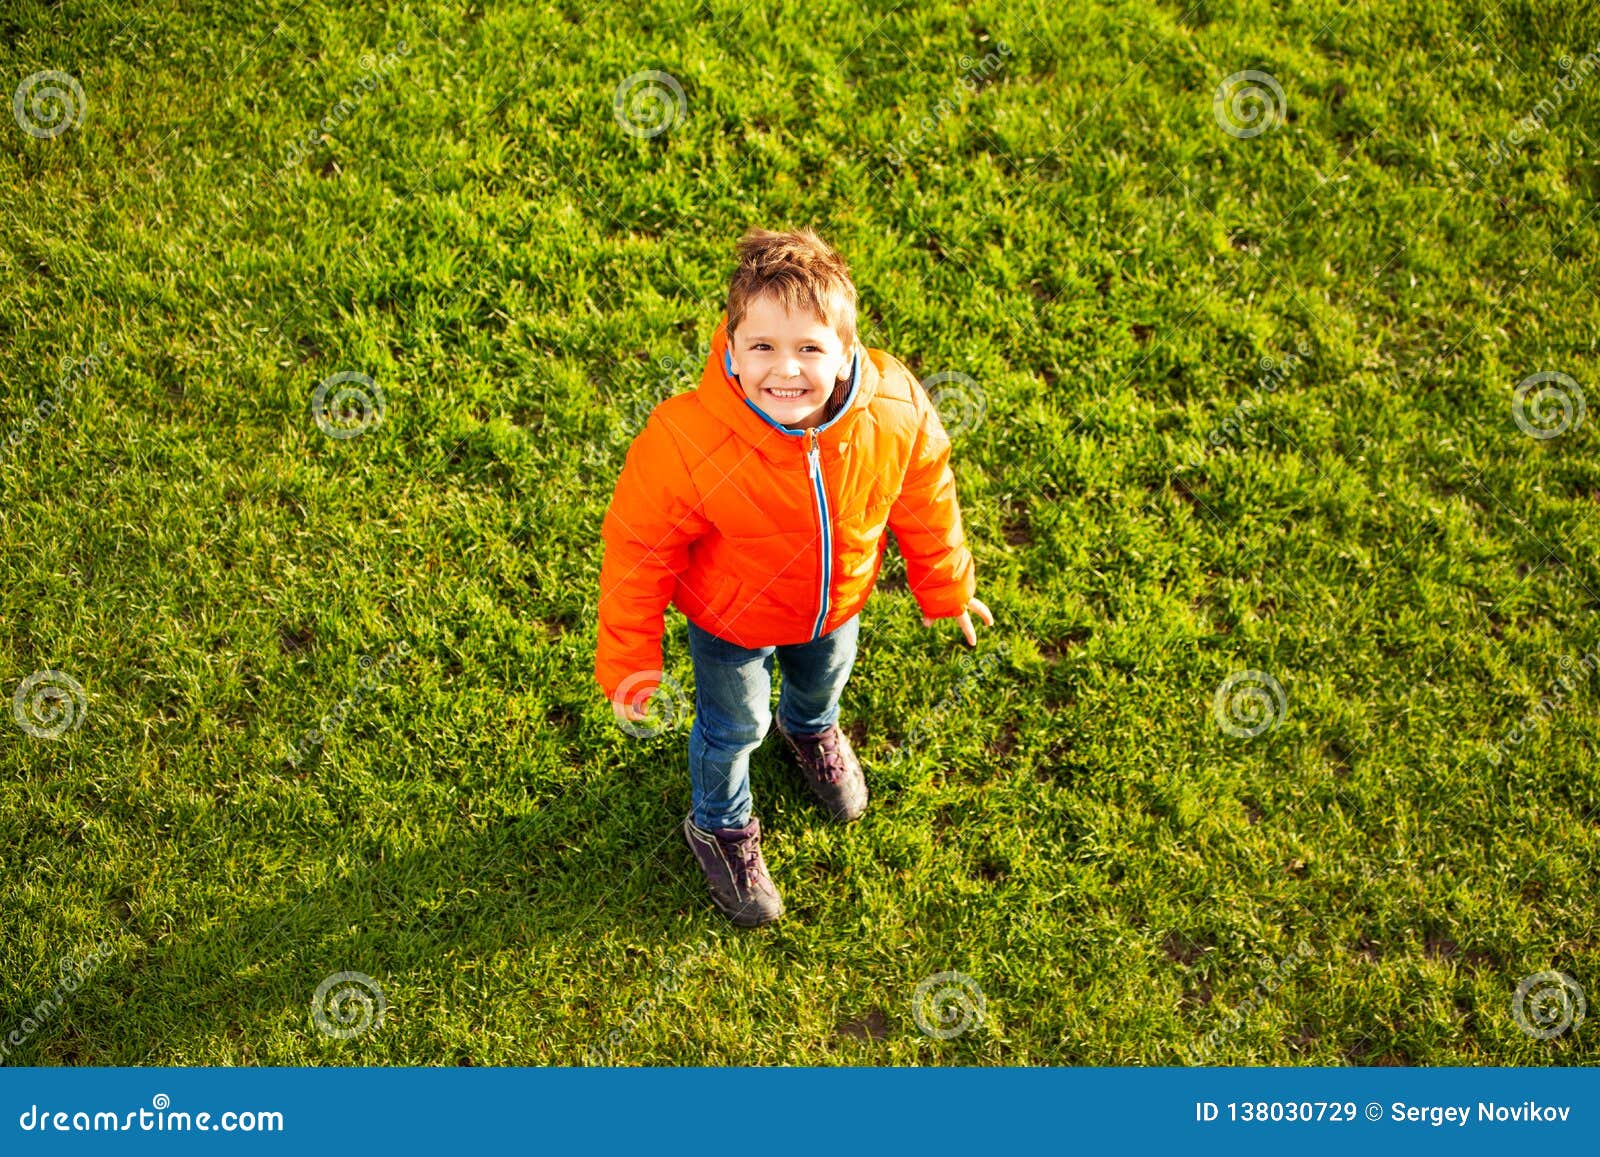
point(630, 711)
point(965, 619)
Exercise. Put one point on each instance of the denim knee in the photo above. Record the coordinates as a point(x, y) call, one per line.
point(731, 727)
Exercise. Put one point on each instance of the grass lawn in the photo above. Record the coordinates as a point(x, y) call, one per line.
point(1282, 749)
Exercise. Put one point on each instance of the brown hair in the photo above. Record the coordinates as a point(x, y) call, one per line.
point(801, 272)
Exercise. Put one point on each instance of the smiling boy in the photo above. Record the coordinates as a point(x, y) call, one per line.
point(758, 504)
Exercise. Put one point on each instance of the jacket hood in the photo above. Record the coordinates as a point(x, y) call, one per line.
point(724, 397)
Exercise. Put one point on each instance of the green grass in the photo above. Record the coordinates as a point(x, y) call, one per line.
point(1072, 829)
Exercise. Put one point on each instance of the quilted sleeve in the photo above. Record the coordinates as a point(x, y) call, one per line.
point(653, 519)
point(926, 520)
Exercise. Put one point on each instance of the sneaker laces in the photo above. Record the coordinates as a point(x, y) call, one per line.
point(748, 852)
point(823, 754)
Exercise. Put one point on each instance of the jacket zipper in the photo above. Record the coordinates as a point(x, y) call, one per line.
point(825, 526)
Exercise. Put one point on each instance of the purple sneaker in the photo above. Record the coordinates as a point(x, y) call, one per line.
point(734, 868)
point(831, 770)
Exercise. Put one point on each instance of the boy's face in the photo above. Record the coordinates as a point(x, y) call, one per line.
point(787, 363)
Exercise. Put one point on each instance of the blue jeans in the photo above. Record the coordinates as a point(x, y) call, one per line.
point(733, 709)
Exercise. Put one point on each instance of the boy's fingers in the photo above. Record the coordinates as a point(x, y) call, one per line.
point(983, 613)
point(966, 630)
point(629, 710)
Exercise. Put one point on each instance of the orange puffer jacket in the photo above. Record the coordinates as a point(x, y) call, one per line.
point(764, 537)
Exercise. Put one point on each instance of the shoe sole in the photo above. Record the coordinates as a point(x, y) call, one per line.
point(846, 817)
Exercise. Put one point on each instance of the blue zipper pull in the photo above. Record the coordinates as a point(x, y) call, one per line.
point(813, 456)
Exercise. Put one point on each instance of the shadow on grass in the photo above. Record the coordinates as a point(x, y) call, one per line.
point(599, 863)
